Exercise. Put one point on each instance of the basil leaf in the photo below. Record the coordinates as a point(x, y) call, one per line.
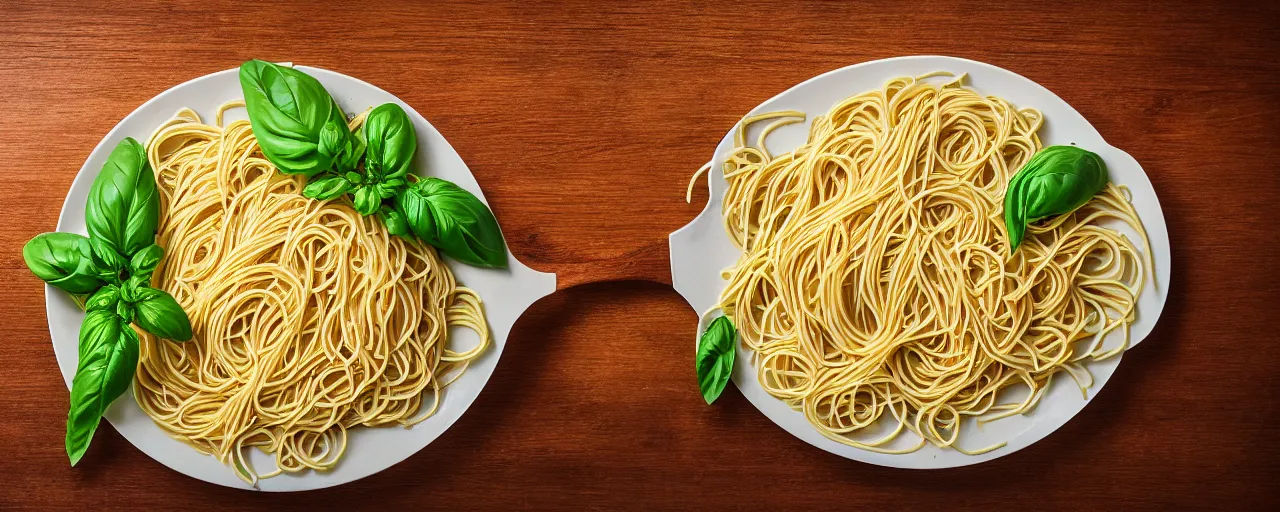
point(395, 223)
point(130, 289)
point(159, 314)
point(1056, 181)
point(416, 211)
point(125, 311)
point(106, 260)
point(391, 141)
point(288, 109)
point(386, 190)
point(328, 188)
point(367, 200)
point(453, 220)
point(104, 299)
point(354, 178)
point(123, 207)
point(144, 262)
point(716, 352)
point(63, 260)
point(108, 359)
point(332, 138)
point(340, 144)
point(352, 151)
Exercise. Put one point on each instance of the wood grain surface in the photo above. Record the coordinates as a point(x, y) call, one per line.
point(582, 120)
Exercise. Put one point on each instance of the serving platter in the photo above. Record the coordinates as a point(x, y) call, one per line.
point(701, 250)
point(506, 295)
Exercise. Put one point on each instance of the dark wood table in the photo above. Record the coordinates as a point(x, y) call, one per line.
point(583, 121)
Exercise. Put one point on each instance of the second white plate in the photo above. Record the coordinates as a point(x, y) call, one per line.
point(701, 249)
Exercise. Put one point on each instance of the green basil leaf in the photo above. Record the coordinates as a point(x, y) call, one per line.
point(63, 260)
point(367, 200)
point(159, 314)
point(1056, 181)
point(108, 359)
point(386, 191)
point(453, 220)
point(288, 109)
point(716, 352)
point(125, 311)
point(108, 262)
point(123, 208)
point(332, 138)
point(354, 178)
point(104, 299)
point(326, 189)
point(352, 151)
point(391, 141)
point(130, 289)
point(395, 223)
point(416, 211)
point(144, 262)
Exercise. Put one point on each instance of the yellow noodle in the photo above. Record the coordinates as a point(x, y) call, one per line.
point(876, 284)
point(308, 318)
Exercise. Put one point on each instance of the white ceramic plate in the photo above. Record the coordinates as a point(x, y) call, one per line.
point(506, 294)
point(701, 249)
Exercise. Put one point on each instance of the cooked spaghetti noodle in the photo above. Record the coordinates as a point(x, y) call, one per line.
point(876, 281)
point(308, 318)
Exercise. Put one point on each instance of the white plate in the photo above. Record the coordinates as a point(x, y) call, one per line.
point(506, 294)
point(701, 249)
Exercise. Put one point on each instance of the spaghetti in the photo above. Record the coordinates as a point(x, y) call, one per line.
point(309, 319)
point(876, 281)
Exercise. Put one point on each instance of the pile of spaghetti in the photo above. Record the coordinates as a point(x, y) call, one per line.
point(309, 319)
point(876, 281)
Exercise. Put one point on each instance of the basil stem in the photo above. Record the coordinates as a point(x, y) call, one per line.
point(715, 357)
point(1056, 181)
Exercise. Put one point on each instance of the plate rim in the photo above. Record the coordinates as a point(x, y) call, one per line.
point(538, 284)
point(744, 371)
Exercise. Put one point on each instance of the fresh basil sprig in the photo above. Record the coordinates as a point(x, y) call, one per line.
point(1056, 181)
point(113, 267)
point(715, 357)
point(298, 132)
point(455, 221)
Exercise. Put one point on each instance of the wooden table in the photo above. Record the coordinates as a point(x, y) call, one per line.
point(583, 121)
